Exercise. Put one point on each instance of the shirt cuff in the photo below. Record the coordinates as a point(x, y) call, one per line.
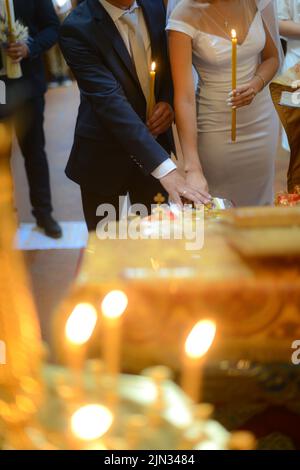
point(164, 169)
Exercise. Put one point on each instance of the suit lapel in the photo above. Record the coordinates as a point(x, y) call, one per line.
point(151, 22)
point(151, 17)
point(108, 27)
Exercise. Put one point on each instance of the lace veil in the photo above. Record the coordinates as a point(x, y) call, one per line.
point(210, 17)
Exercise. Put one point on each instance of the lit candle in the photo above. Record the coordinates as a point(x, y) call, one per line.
point(197, 344)
point(113, 306)
point(151, 103)
point(78, 330)
point(234, 68)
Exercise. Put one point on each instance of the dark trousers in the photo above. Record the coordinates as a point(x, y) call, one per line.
point(29, 126)
point(142, 190)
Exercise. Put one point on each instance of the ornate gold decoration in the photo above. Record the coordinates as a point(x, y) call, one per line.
point(159, 199)
point(20, 387)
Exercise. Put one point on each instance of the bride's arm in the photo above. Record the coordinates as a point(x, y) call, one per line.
point(270, 60)
point(180, 46)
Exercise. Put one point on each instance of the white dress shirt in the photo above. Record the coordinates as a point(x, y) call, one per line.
point(116, 13)
point(62, 6)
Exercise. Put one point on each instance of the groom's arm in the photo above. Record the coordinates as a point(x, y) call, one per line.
point(100, 87)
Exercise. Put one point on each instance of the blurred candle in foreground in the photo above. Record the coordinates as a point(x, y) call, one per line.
point(197, 344)
point(91, 422)
point(78, 330)
point(233, 85)
point(151, 103)
point(113, 306)
point(81, 323)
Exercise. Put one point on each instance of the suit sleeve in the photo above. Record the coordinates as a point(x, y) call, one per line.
point(99, 86)
point(48, 28)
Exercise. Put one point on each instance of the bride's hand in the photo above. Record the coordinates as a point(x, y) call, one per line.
point(197, 180)
point(244, 95)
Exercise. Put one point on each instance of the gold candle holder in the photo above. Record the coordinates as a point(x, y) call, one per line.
point(20, 380)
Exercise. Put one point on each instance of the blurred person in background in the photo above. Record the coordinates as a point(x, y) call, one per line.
point(57, 65)
point(25, 100)
point(289, 27)
point(290, 119)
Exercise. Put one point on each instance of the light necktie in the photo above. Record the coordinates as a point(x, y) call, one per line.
point(139, 54)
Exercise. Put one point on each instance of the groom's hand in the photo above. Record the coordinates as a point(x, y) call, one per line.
point(161, 119)
point(177, 187)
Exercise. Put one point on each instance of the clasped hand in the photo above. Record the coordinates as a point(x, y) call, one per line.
point(244, 94)
point(161, 119)
point(17, 51)
point(191, 188)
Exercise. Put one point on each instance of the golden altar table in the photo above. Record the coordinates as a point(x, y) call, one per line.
point(255, 302)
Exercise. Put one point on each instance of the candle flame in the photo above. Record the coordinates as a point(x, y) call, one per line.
point(153, 66)
point(200, 339)
point(114, 304)
point(91, 421)
point(233, 34)
point(81, 324)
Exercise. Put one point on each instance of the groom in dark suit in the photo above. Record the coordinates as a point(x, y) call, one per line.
point(109, 45)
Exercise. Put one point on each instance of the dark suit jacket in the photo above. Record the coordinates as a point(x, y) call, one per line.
point(110, 132)
point(43, 25)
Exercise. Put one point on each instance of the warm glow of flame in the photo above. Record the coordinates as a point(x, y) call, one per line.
point(233, 34)
point(81, 323)
point(153, 66)
point(91, 421)
point(5, 136)
point(200, 339)
point(114, 304)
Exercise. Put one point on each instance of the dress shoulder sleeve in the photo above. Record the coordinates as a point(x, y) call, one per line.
point(181, 27)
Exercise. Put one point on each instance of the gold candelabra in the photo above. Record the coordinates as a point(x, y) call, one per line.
point(20, 385)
